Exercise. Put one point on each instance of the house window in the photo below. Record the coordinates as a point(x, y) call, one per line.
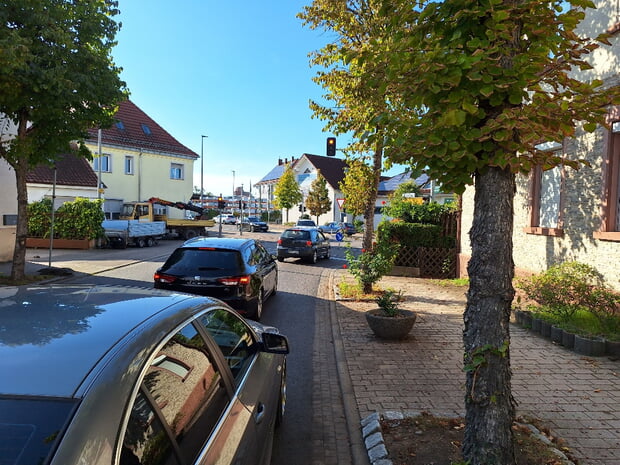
point(128, 164)
point(610, 214)
point(176, 171)
point(106, 166)
point(546, 197)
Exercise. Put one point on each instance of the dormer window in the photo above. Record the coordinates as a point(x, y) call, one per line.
point(146, 129)
point(120, 126)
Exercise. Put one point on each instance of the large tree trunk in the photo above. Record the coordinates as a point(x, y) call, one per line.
point(18, 269)
point(488, 400)
point(369, 210)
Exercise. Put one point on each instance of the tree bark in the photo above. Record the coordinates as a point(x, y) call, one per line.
point(369, 210)
point(18, 268)
point(489, 403)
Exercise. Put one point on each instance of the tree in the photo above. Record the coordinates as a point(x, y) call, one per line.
point(57, 80)
point(472, 87)
point(287, 192)
point(318, 198)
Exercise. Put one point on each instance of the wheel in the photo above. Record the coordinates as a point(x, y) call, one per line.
point(140, 243)
point(150, 242)
point(326, 256)
point(275, 286)
point(280, 259)
point(314, 257)
point(190, 234)
point(260, 300)
point(282, 399)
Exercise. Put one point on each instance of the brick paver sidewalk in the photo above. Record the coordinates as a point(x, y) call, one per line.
point(576, 397)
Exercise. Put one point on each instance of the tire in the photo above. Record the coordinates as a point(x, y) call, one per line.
point(282, 399)
point(275, 287)
point(150, 242)
point(260, 302)
point(190, 234)
point(326, 256)
point(140, 242)
point(313, 258)
point(280, 259)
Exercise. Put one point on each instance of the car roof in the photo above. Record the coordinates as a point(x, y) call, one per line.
point(302, 228)
point(53, 338)
point(217, 242)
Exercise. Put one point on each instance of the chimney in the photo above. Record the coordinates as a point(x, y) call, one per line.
point(279, 162)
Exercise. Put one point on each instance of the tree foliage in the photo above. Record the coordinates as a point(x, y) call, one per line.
point(357, 182)
point(287, 192)
point(466, 90)
point(318, 201)
point(57, 80)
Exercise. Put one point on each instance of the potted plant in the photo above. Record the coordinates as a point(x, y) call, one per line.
point(388, 321)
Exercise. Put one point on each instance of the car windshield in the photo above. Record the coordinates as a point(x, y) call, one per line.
point(253, 219)
point(296, 234)
point(30, 428)
point(206, 261)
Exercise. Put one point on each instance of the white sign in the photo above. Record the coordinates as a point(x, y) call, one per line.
point(340, 203)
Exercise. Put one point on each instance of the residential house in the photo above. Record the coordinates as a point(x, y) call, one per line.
point(8, 194)
point(563, 214)
point(138, 159)
point(306, 168)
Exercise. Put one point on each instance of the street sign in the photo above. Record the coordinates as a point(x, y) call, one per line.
point(340, 203)
point(339, 236)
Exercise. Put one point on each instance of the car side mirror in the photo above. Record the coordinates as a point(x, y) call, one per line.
point(275, 343)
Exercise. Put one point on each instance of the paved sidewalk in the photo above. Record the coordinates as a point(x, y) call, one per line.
point(576, 397)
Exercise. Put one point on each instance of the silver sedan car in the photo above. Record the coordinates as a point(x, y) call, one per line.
point(117, 375)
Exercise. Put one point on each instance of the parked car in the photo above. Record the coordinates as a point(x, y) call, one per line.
point(306, 222)
point(309, 244)
point(121, 375)
point(225, 219)
point(252, 223)
point(241, 272)
point(335, 226)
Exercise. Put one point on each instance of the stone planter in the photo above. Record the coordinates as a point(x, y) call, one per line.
point(536, 324)
point(526, 320)
point(519, 316)
point(612, 348)
point(390, 327)
point(44, 243)
point(568, 339)
point(589, 346)
point(545, 329)
point(556, 334)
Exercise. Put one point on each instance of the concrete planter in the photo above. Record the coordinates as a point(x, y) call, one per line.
point(545, 329)
point(43, 243)
point(536, 323)
point(390, 327)
point(589, 346)
point(568, 339)
point(556, 334)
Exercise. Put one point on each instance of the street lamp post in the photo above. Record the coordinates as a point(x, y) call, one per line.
point(202, 170)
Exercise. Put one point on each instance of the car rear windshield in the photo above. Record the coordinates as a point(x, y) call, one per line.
point(296, 234)
point(30, 428)
point(208, 262)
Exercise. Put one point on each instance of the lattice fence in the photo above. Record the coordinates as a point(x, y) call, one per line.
point(432, 262)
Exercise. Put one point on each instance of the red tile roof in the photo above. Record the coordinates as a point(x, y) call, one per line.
point(138, 130)
point(331, 168)
point(70, 171)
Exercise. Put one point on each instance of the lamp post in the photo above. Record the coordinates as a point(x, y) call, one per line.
point(202, 170)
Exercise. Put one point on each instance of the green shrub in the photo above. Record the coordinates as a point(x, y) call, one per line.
point(415, 235)
point(371, 265)
point(570, 289)
point(80, 219)
point(425, 213)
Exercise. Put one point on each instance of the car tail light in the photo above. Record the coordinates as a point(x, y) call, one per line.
point(164, 278)
point(234, 280)
point(279, 241)
point(309, 243)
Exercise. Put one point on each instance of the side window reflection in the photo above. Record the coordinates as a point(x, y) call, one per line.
point(186, 391)
point(233, 337)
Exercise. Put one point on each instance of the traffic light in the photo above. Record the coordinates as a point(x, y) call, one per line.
point(331, 146)
point(301, 208)
point(221, 203)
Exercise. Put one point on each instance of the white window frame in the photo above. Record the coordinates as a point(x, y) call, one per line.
point(106, 166)
point(177, 171)
point(129, 164)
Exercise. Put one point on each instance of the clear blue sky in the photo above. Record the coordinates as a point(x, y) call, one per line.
point(237, 72)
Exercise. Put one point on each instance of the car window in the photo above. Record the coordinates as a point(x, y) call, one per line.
point(296, 234)
point(182, 387)
point(234, 338)
point(321, 236)
point(188, 261)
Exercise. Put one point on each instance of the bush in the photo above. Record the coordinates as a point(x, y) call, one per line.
point(416, 235)
point(371, 265)
point(80, 219)
point(425, 213)
point(571, 287)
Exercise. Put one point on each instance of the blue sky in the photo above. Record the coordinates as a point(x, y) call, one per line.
point(237, 72)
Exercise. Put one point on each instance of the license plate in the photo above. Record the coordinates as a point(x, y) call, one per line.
point(293, 252)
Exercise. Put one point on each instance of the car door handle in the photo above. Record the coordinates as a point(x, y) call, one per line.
point(259, 414)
